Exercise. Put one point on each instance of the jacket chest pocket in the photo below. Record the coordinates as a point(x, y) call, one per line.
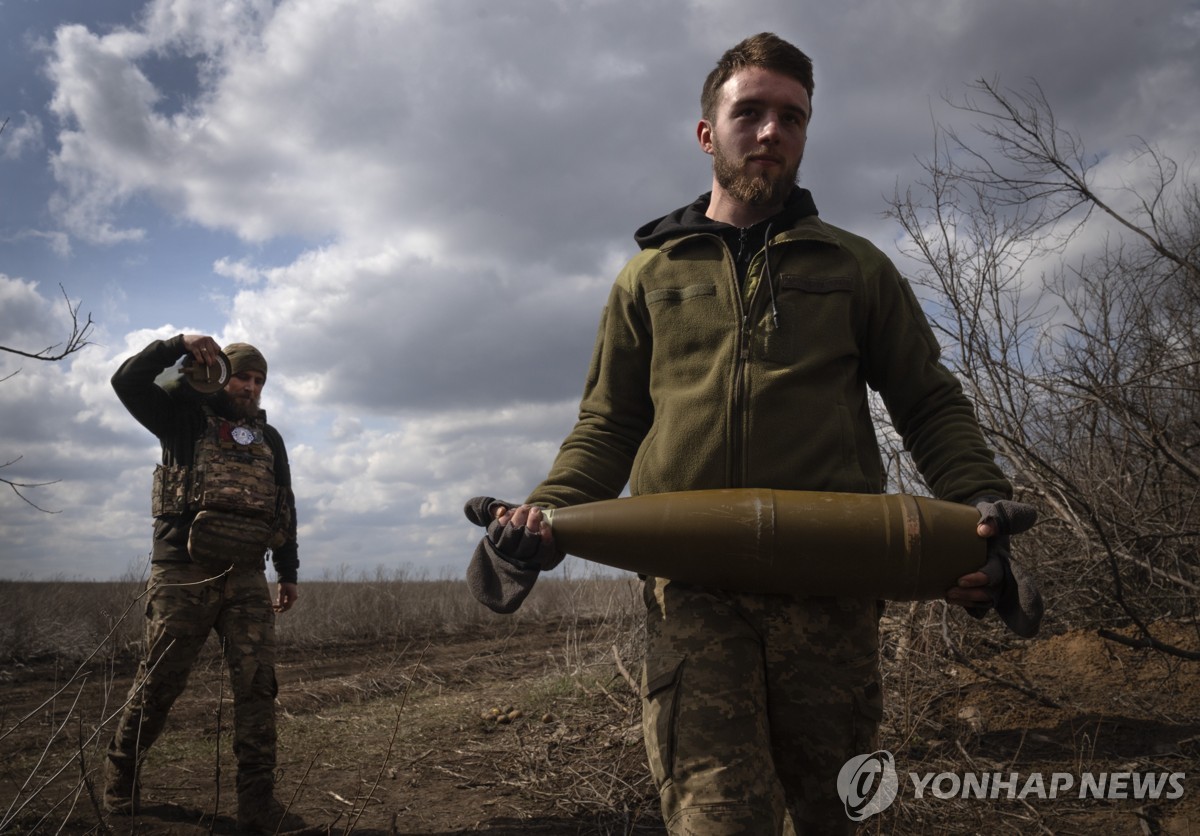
point(687, 323)
point(816, 321)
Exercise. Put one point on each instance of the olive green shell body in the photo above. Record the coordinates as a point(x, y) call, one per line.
point(890, 546)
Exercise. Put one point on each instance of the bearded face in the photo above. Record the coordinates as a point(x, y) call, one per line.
point(756, 137)
point(244, 406)
point(240, 407)
point(242, 393)
point(746, 181)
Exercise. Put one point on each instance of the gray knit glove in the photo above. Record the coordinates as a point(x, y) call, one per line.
point(1014, 592)
point(508, 559)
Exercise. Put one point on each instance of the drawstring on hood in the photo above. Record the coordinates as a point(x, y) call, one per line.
point(770, 279)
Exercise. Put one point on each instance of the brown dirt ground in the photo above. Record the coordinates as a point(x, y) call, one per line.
point(392, 740)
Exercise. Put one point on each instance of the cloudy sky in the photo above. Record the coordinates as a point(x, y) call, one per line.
point(415, 209)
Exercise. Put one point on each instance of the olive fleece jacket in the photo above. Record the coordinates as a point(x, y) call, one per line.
point(175, 415)
point(701, 379)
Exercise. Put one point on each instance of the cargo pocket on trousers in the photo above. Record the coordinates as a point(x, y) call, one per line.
point(660, 681)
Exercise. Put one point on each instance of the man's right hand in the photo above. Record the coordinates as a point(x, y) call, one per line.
point(516, 533)
point(203, 349)
point(528, 517)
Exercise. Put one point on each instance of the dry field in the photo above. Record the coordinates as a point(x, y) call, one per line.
point(389, 688)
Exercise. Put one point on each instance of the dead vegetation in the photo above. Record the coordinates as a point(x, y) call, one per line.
point(383, 728)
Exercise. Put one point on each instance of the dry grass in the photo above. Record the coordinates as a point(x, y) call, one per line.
point(391, 675)
point(65, 642)
point(73, 620)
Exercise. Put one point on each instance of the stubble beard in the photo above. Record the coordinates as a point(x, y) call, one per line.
point(753, 190)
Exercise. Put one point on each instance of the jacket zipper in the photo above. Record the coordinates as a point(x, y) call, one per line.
point(736, 467)
point(736, 470)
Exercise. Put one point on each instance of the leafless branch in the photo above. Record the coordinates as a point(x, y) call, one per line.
point(59, 351)
point(17, 486)
point(1086, 377)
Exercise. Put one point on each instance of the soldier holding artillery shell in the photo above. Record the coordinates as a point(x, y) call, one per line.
point(736, 351)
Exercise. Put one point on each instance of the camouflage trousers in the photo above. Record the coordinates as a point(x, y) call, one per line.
point(751, 704)
point(185, 602)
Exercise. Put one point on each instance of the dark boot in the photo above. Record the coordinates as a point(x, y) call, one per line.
point(259, 812)
point(122, 792)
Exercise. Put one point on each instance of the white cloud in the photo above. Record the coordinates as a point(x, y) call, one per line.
point(204, 26)
point(347, 119)
point(455, 185)
point(240, 271)
point(389, 329)
point(21, 135)
point(58, 242)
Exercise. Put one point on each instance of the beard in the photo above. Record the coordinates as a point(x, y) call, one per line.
point(241, 407)
point(754, 190)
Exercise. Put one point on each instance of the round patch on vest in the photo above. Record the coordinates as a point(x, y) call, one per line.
point(243, 435)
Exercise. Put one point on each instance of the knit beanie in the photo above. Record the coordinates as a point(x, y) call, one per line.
point(245, 357)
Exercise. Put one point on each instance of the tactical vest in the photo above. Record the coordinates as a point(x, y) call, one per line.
point(231, 488)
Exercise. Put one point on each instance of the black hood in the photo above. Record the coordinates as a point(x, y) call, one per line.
point(691, 219)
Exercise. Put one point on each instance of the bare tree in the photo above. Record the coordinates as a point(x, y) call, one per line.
point(1086, 375)
point(77, 340)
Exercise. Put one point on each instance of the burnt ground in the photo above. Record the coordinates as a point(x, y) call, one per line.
point(403, 739)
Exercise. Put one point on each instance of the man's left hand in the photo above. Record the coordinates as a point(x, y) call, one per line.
point(288, 593)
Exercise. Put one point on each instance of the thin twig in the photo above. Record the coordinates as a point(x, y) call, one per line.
point(633, 686)
point(217, 766)
point(353, 822)
point(999, 680)
point(87, 781)
point(1148, 642)
point(11, 814)
point(79, 668)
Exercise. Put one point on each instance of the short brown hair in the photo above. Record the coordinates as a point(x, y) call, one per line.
point(765, 50)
